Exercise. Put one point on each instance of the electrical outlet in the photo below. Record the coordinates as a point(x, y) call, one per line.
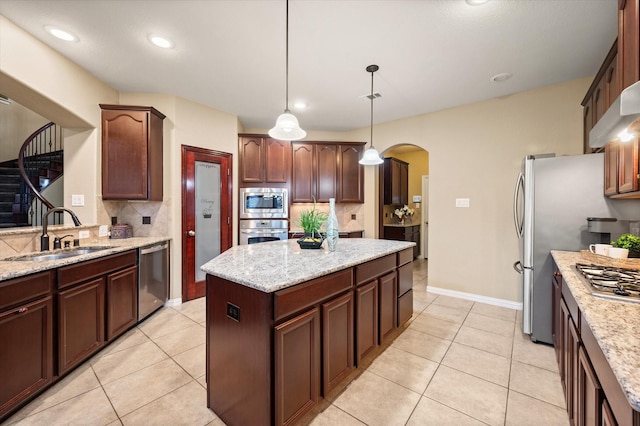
point(83, 234)
point(77, 200)
point(146, 220)
point(103, 231)
point(353, 217)
point(233, 312)
point(114, 220)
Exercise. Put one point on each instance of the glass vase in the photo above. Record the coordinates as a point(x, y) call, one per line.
point(332, 226)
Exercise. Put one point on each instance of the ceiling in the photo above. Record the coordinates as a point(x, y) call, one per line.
point(230, 54)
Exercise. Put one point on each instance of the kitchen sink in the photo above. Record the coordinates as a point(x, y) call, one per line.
point(62, 254)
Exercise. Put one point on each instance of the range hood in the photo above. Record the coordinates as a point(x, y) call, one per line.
point(624, 111)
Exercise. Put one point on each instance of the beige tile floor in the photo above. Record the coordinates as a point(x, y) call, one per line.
point(458, 363)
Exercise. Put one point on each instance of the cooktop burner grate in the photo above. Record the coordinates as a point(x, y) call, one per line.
point(611, 282)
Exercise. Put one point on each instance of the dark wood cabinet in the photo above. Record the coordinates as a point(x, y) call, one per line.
point(589, 392)
point(395, 174)
point(628, 166)
point(132, 153)
point(611, 168)
point(404, 233)
point(405, 286)
point(366, 320)
point(628, 42)
point(322, 170)
point(26, 333)
point(122, 301)
point(80, 323)
point(337, 341)
point(388, 288)
point(297, 366)
point(264, 160)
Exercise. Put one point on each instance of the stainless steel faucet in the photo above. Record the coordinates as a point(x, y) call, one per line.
point(44, 238)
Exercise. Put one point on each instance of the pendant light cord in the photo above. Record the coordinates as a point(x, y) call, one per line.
point(286, 72)
point(371, 136)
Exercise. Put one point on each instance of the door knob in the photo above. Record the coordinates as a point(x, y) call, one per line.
point(191, 233)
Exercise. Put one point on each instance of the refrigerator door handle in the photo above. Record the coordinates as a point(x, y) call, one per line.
point(518, 267)
point(516, 218)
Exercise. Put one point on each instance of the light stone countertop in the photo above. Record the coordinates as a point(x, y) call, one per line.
point(613, 323)
point(14, 268)
point(275, 265)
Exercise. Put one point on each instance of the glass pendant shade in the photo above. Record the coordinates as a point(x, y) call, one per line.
point(371, 157)
point(287, 128)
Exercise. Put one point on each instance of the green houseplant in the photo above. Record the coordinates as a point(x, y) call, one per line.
point(310, 221)
point(629, 242)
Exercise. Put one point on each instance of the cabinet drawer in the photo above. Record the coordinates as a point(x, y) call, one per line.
point(296, 298)
point(19, 290)
point(405, 256)
point(375, 268)
point(73, 274)
point(405, 307)
point(572, 306)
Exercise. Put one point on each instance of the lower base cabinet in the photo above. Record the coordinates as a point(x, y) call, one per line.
point(388, 289)
point(80, 323)
point(122, 301)
point(337, 338)
point(26, 358)
point(589, 393)
point(297, 366)
point(366, 320)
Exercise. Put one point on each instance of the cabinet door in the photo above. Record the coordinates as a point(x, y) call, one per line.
point(599, 102)
point(562, 330)
point(587, 124)
point(350, 175)
point(366, 319)
point(122, 301)
point(251, 159)
point(589, 392)
point(277, 156)
point(388, 288)
point(404, 183)
point(571, 370)
point(415, 237)
point(611, 168)
point(612, 86)
point(297, 366)
point(337, 341)
point(302, 185)
point(556, 295)
point(26, 358)
point(628, 42)
point(628, 159)
point(608, 419)
point(326, 162)
point(80, 323)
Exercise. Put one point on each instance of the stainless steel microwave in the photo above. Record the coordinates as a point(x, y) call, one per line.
point(264, 203)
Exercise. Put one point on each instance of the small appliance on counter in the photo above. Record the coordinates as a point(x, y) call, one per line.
point(121, 230)
point(609, 228)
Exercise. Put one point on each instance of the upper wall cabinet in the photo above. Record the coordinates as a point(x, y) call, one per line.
point(628, 42)
point(131, 153)
point(323, 170)
point(395, 174)
point(264, 160)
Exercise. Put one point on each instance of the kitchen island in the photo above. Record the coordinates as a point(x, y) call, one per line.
point(287, 327)
point(600, 363)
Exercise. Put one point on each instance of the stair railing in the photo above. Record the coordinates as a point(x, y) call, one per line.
point(43, 144)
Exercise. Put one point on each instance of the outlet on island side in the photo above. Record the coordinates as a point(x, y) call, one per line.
point(146, 220)
point(233, 312)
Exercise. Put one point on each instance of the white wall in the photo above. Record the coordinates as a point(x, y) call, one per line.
point(17, 123)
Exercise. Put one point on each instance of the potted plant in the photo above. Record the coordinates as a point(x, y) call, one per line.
point(629, 242)
point(310, 221)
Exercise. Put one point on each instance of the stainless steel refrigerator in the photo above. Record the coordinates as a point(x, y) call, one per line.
point(552, 199)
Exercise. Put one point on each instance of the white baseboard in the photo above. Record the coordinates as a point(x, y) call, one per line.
point(476, 298)
point(173, 302)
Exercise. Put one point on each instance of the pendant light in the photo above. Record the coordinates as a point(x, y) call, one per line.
point(287, 127)
point(371, 156)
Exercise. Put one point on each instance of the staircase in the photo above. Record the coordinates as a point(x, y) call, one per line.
point(40, 163)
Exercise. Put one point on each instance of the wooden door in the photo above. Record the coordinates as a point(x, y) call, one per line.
point(122, 301)
point(350, 175)
point(366, 319)
point(326, 172)
point(628, 161)
point(297, 366)
point(302, 184)
point(571, 370)
point(27, 351)
point(589, 392)
point(277, 156)
point(611, 168)
point(80, 323)
point(337, 341)
point(388, 288)
point(206, 218)
point(251, 159)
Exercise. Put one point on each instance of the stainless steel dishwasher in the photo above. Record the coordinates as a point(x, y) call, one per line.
point(153, 278)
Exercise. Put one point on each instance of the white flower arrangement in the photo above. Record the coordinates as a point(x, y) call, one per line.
point(403, 212)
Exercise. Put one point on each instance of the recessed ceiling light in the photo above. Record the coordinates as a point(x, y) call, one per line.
point(61, 34)
point(160, 41)
point(299, 105)
point(476, 2)
point(498, 78)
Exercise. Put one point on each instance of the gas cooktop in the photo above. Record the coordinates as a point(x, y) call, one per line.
point(611, 282)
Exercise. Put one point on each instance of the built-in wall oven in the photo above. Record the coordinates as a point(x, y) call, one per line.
point(263, 230)
point(264, 203)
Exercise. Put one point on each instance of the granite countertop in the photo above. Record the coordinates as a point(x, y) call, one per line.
point(13, 268)
point(614, 325)
point(275, 265)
